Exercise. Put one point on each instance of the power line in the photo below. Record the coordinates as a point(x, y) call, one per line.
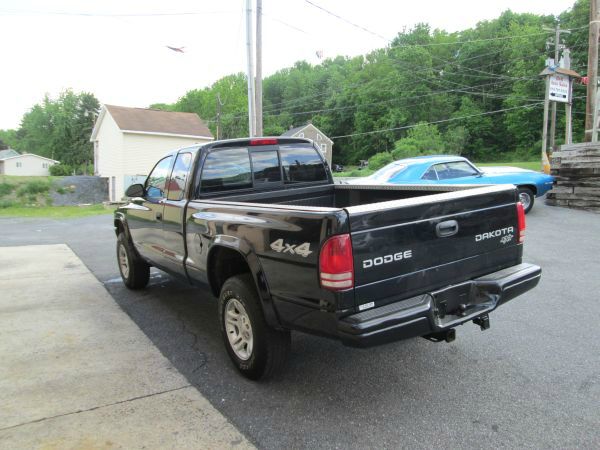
point(84, 14)
point(487, 113)
point(360, 27)
point(445, 65)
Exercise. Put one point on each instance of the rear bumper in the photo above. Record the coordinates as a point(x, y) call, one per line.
point(437, 311)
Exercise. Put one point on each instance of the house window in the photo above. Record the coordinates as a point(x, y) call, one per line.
point(44, 165)
point(301, 135)
point(19, 164)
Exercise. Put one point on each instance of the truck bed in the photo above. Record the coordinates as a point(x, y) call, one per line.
point(341, 195)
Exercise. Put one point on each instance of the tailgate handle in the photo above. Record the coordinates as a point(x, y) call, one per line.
point(447, 228)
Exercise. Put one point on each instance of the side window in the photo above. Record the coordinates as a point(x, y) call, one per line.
point(442, 171)
point(225, 170)
point(156, 182)
point(301, 164)
point(265, 167)
point(179, 176)
point(430, 174)
point(460, 169)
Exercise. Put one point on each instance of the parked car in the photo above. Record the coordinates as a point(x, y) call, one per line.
point(261, 223)
point(459, 170)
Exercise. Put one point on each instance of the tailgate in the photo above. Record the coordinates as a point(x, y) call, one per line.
point(406, 247)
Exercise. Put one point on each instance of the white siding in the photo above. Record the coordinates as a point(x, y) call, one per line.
point(109, 151)
point(142, 152)
point(27, 165)
point(125, 155)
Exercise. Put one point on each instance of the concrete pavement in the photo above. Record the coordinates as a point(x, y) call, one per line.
point(76, 372)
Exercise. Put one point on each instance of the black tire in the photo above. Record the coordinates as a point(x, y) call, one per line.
point(269, 348)
point(135, 272)
point(527, 197)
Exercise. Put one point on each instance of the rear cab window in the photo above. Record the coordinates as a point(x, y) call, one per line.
point(302, 164)
point(269, 166)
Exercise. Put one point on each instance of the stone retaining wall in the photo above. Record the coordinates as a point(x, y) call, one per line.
point(78, 190)
point(576, 168)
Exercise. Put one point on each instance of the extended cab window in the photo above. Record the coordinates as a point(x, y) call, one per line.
point(157, 180)
point(179, 176)
point(302, 164)
point(225, 170)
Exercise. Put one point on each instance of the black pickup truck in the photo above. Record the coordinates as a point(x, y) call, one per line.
point(263, 225)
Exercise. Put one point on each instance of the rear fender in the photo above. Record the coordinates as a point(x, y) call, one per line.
point(260, 280)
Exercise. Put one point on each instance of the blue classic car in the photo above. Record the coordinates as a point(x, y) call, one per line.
point(458, 170)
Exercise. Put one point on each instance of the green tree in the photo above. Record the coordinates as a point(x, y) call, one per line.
point(423, 139)
point(60, 129)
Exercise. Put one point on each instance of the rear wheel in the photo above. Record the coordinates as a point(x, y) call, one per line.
point(135, 272)
point(257, 350)
point(526, 197)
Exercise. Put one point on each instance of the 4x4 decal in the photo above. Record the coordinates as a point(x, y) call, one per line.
point(282, 247)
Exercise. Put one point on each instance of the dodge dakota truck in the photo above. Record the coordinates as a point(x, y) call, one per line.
point(261, 224)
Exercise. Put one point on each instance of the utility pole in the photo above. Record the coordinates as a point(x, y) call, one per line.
point(557, 33)
point(250, 71)
point(259, 112)
point(219, 105)
point(545, 160)
point(592, 71)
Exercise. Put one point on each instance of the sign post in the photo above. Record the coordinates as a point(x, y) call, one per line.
point(559, 83)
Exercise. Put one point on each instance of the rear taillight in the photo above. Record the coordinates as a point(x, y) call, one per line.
point(521, 221)
point(336, 264)
point(263, 141)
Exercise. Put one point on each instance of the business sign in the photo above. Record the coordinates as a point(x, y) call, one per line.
point(559, 88)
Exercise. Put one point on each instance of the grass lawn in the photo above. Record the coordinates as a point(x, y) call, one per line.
point(531, 165)
point(55, 212)
point(14, 179)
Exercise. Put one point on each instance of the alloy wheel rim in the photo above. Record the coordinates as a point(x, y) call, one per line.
point(239, 329)
point(525, 199)
point(123, 262)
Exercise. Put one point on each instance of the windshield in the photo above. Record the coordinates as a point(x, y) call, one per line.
point(389, 171)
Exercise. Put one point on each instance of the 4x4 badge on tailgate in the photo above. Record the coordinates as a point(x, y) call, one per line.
point(281, 247)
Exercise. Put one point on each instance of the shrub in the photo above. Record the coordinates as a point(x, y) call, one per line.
point(61, 170)
point(33, 188)
point(423, 139)
point(5, 189)
point(379, 160)
point(6, 204)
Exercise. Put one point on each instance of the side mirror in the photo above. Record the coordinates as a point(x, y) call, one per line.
point(135, 190)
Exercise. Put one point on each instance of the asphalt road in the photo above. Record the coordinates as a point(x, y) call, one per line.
point(531, 380)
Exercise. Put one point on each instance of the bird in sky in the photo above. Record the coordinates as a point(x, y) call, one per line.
point(176, 49)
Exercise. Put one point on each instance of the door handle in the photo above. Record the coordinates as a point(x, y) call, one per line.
point(447, 228)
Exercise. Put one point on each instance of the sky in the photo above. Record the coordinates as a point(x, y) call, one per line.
point(117, 49)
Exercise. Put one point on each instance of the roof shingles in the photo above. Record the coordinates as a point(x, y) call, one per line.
point(8, 153)
point(157, 121)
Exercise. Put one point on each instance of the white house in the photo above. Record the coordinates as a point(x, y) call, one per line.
point(129, 141)
point(27, 164)
point(309, 131)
